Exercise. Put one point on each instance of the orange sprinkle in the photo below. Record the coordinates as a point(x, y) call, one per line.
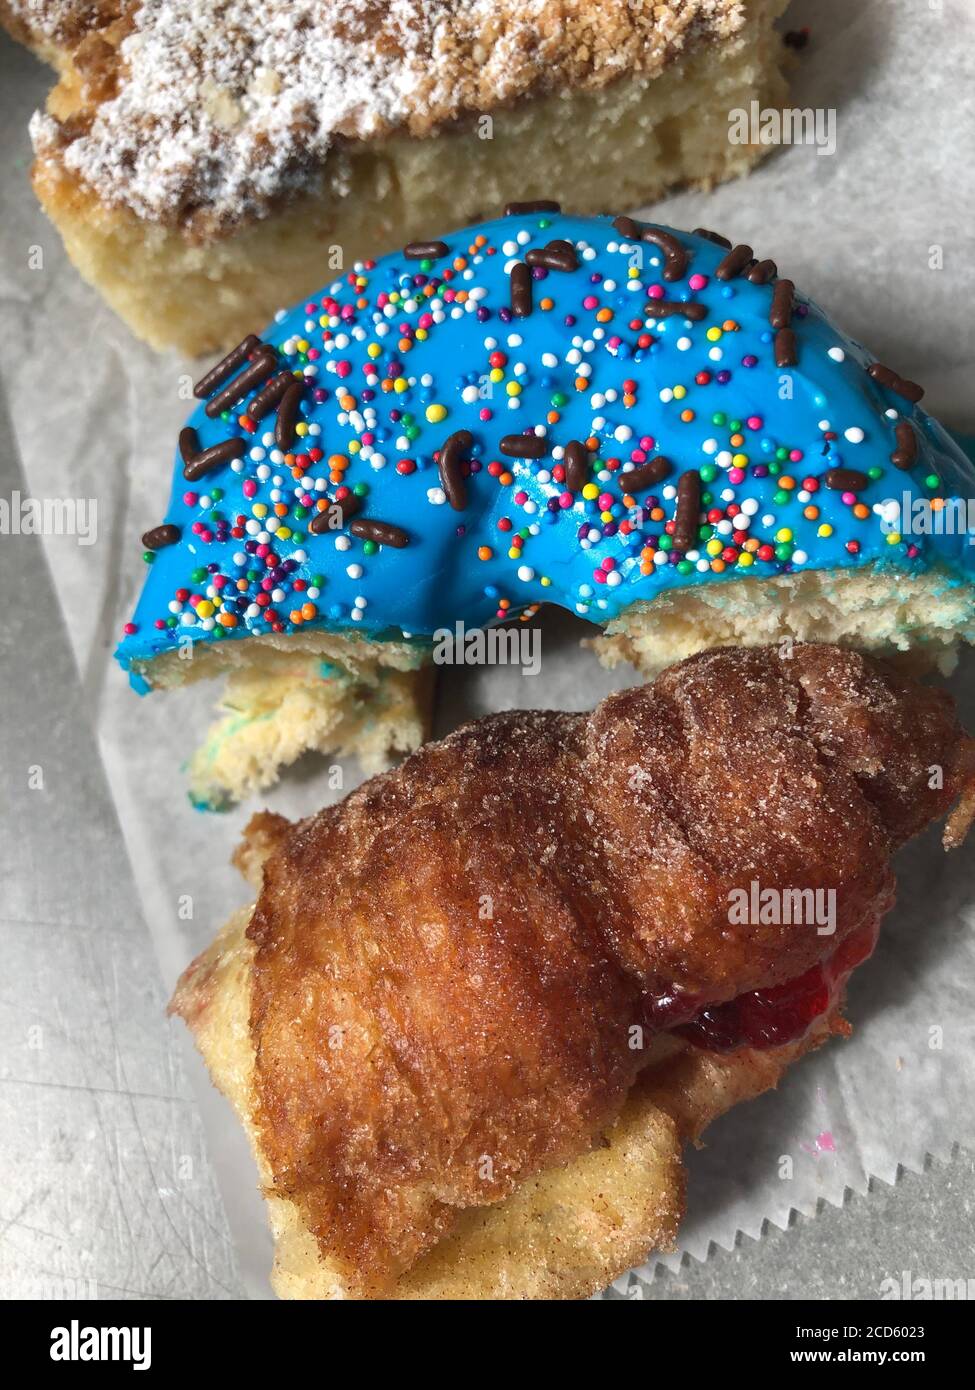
point(604, 315)
point(506, 480)
point(787, 482)
point(718, 566)
point(736, 439)
point(484, 552)
point(553, 417)
point(309, 611)
point(546, 304)
point(338, 461)
point(687, 416)
point(861, 511)
point(810, 512)
point(581, 383)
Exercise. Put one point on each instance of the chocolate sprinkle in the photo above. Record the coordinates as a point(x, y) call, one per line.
point(780, 314)
point(905, 455)
point(637, 479)
point(667, 308)
point(762, 272)
point(269, 395)
point(161, 536)
point(557, 255)
point(253, 374)
point(675, 255)
point(539, 205)
point(785, 348)
point(889, 378)
point(737, 259)
point(845, 479)
point(321, 521)
point(425, 250)
point(576, 463)
point(450, 466)
point(284, 428)
point(688, 510)
point(524, 446)
point(197, 461)
point(382, 532)
point(716, 237)
point(521, 290)
point(217, 375)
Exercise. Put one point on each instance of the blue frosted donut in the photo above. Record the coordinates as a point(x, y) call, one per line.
point(589, 412)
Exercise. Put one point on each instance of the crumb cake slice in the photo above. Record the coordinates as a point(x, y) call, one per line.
point(208, 160)
point(652, 429)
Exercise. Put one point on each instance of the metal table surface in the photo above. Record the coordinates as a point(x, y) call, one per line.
point(106, 1190)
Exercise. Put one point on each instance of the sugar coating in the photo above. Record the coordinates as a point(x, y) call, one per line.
point(219, 108)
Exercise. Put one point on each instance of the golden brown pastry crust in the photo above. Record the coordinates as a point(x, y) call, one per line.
point(449, 966)
point(566, 1233)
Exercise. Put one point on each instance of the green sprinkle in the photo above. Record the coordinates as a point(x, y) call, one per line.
point(708, 473)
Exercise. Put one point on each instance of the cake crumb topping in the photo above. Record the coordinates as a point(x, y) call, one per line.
point(216, 109)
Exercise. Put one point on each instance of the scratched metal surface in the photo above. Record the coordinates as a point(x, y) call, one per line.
point(105, 1186)
point(106, 1189)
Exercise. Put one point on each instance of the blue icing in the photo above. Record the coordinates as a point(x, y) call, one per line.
point(367, 398)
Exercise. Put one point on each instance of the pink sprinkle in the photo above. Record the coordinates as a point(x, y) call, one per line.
point(485, 413)
point(825, 1142)
point(736, 475)
point(343, 368)
point(698, 282)
point(638, 456)
point(754, 422)
point(129, 629)
point(655, 291)
point(190, 498)
point(608, 564)
point(565, 500)
point(849, 498)
point(599, 576)
point(590, 302)
point(249, 488)
point(795, 455)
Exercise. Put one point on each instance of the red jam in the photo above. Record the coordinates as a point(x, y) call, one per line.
point(767, 1017)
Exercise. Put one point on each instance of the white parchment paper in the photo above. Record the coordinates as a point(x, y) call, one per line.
point(96, 415)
